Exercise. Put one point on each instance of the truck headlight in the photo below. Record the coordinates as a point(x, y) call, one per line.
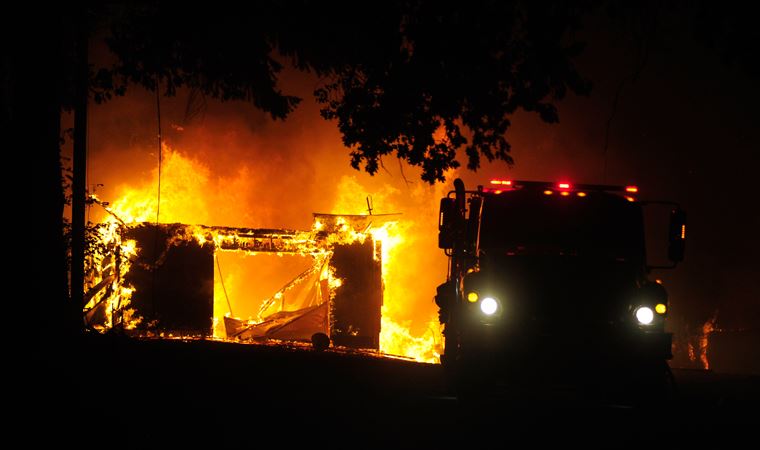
point(644, 315)
point(489, 306)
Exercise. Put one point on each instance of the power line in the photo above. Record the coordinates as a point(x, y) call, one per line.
point(221, 278)
point(158, 201)
point(160, 153)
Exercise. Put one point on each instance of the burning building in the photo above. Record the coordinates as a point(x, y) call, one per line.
point(158, 280)
point(200, 185)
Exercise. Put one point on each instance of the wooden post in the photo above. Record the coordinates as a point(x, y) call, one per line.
point(80, 166)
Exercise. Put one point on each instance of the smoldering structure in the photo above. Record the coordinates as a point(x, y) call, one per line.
point(157, 280)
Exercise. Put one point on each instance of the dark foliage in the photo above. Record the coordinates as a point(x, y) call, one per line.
point(416, 79)
point(221, 52)
point(730, 28)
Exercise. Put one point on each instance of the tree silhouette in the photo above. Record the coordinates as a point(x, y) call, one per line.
point(416, 79)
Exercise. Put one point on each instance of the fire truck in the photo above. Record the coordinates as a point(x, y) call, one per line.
point(550, 281)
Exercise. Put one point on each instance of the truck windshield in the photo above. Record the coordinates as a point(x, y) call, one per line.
point(597, 225)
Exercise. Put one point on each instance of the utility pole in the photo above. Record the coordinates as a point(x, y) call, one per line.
point(80, 164)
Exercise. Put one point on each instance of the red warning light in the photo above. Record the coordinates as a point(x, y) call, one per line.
point(502, 182)
point(564, 185)
point(633, 189)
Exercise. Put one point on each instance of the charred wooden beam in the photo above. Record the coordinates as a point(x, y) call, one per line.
point(270, 240)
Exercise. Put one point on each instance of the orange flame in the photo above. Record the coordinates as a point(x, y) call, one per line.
point(690, 349)
point(704, 340)
point(398, 239)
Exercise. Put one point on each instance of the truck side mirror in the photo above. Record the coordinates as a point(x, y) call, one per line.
point(677, 235)
point(473, 223)
point(447, 223)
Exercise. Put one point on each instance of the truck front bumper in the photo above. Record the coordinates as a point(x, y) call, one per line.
point(604, 346)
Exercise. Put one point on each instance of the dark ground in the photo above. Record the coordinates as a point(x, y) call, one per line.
point(113, 391)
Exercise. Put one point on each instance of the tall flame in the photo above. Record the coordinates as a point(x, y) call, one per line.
point(184, 186)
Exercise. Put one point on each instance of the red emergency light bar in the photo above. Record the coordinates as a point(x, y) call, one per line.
point(500, 186)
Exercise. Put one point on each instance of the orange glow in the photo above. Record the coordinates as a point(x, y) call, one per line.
point(629, 198)
point(632, 189)
point(564, 185)
point(581, 194)
point(548, 192)
point(502, 182)
point(564, 194)
point(683, 231)
point(497, 192)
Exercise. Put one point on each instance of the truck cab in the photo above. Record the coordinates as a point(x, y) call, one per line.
point(551, 277)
